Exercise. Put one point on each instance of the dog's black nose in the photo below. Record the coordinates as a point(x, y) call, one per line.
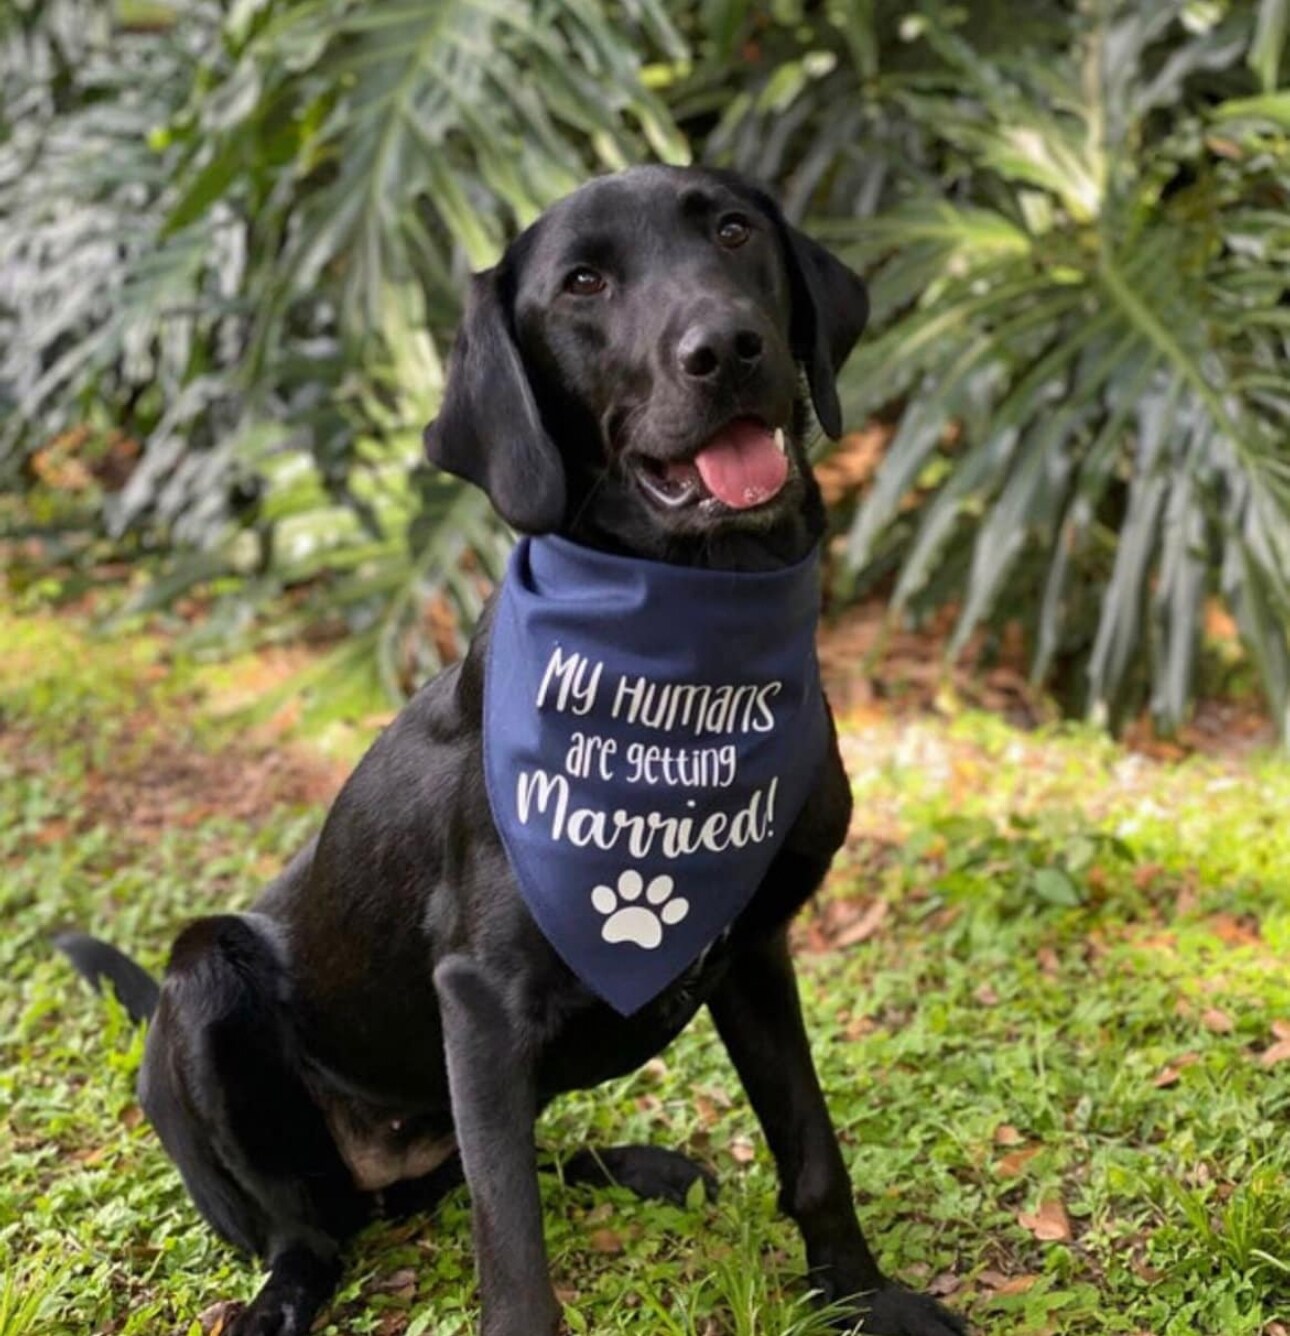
point(705, 350)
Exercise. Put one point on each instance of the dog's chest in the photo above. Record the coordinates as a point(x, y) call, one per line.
point(593, 1043)
point(596, 1044)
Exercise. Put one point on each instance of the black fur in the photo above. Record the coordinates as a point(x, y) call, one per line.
point(389, 1017)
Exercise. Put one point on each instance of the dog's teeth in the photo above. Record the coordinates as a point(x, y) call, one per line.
point(779, 440)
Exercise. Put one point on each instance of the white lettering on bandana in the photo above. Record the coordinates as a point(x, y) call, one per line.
point(651, 733)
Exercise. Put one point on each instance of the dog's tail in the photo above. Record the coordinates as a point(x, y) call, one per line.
point(98, 962)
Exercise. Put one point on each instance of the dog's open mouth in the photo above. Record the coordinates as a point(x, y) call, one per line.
point(744, 465)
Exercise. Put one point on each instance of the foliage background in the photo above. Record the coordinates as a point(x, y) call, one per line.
point(233, 235)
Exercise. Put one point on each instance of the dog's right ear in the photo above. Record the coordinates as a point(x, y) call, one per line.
point(488, 430)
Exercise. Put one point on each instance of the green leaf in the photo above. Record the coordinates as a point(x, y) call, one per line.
point(1093, 475)
point(1043, 461)
point(1269, 41)
point(1273, 107)
point(421, 1323)
point(1054, 887)
point(1120, 625)
point(1182, 582)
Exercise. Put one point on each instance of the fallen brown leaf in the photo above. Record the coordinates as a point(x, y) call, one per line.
point(1007, 1135)
point(216, 1319)
point(1171, 1074)
point(54, 831)
point(1014, 1164)
point(1217, 1021)
point(992, 1279)
point(1049, 1223)
point(606, 1241)
point(1234, 931)
point(1001, 1284)
point(1016, 1284)
point(401, 1283)
point(1185, 901)
point(865, 926)
point(859, 1026)
point(1279, 1052)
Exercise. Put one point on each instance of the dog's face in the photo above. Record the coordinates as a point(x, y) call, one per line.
point(631, 373)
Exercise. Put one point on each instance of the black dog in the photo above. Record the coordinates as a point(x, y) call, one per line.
point(389, 1017)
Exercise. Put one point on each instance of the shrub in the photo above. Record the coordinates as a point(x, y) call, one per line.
point(239, 238)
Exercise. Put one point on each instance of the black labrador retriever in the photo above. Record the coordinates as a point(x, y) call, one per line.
point(389, 1018)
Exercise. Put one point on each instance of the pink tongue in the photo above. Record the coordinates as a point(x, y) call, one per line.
point(742, 465)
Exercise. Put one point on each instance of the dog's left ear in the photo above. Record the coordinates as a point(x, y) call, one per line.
point(830, 305)
point(830, 308)
point(489, 430)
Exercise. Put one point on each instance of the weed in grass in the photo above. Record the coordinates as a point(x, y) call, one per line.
point(28, 1294)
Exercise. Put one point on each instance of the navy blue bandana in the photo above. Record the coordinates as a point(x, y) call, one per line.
point(651, 733)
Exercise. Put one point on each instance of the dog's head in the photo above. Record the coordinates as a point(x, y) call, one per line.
point(631, 373)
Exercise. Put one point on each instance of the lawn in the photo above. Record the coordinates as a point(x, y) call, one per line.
point(1047, 984)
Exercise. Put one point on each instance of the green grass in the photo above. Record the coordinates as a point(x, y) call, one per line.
point(1059, 1018)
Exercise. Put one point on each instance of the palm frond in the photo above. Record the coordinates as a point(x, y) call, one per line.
point(1130, 449)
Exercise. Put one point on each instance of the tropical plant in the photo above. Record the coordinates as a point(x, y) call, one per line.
point(1087, 320)
point(267, 254)
point(101, 317)
point(240, 238)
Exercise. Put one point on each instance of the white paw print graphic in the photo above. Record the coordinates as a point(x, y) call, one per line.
point(639, 923)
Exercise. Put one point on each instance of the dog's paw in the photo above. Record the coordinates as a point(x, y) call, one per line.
point(651, 1172)
point(897, 1312)
point(271, 1318)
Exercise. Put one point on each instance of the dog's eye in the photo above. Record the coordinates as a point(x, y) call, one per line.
point(733, 230)
point(584, 282)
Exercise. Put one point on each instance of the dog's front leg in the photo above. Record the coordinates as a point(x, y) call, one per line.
point(494, 1109)
point(759, 1018)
